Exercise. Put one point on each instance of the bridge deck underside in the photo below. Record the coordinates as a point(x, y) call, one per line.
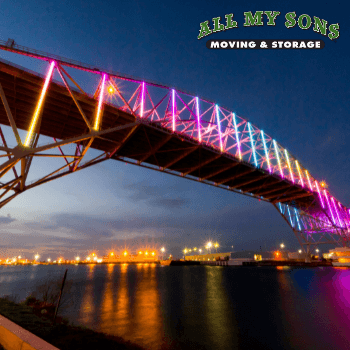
point(148, 143)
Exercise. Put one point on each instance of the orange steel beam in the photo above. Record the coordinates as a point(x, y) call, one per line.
point(182, 156)
point(248, 182)
point(264, 184)
point(284, 192)
point(293, 197)
point(201, 165)
point(271, 190)
point(10, 116)
point(221, 170)
point(156, 148)
point(230, 178)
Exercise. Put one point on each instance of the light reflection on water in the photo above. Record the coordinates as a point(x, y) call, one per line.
point(203, 307)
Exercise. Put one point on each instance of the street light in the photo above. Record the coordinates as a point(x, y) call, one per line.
point(317, 250)
point(282, 245)
point(216, 246)
point(200, 250)
point(299, 251)
point(36, 257)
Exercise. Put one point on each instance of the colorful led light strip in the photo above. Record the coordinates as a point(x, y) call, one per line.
point(252, 143)
point(336, 209)
point(279, 204)
point(237, 138)
point(173, 105)
point(278, 158)
point(39, 105)
point(266, 152)
point(300, 176)
point(318, 190)
point(290, 168)
point(296, 214)
point(330, 208)
point(142, 98)
point(100, 100)
point(308, 179)
point(198, 120)
point(219, 126)
point(290, 217)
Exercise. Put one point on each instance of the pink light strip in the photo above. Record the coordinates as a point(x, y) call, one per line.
point(278, 158)
point(39, 105)
point(219, 126)
point(100, 100)
point(300, 176)
point(142, 98)
point(237, 138)
point(308, 179)
point(336, 210)
point(318, 189)
point(198, 120)
point(289, 166)
point(173, 105)
point(330, 208)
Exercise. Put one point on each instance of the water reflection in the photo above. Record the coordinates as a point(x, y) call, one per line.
point(87, 305)
point(220, 326)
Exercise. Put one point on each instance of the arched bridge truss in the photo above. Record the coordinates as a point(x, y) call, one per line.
point(157, 127)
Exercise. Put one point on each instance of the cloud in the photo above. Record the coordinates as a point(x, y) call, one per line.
point(6, 219)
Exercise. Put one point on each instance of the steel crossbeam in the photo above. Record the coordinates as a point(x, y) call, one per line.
point(123, 107)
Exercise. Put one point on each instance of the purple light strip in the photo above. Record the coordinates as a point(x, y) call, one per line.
point(142, 98)
point(330, 208)
point(219, 126)
point(198, 120)
point(318, 189)
point(173, 97)
point(336, 210)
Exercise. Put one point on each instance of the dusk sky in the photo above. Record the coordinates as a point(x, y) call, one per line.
point(299, 97)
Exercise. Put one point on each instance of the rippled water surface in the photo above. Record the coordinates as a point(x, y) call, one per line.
point(203, 307)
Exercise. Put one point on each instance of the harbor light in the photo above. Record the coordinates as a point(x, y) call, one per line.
point(77, 258)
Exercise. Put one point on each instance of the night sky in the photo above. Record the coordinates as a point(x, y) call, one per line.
point(299, 97)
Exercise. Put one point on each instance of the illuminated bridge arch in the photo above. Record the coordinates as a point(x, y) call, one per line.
point(157, 127)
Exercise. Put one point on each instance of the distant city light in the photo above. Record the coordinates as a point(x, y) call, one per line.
point(36, 257)
point(48, 260)
point(282, 245)
point(77, 258)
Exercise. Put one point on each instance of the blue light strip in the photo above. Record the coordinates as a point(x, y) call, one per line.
point(219, 126)
point(296, 214)
point(290, 218)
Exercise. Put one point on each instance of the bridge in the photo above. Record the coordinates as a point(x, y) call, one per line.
point(157, 127)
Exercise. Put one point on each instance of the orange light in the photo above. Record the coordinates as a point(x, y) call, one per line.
point(152, 253)
point(111, 90)
point(140, 252)
point(93, 254)
point(146, 253)
point(125, 253)
point(112, 253)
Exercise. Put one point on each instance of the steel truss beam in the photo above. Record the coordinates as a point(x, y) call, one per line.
point(204, 126)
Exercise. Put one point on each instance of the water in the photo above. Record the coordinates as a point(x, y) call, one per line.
point(203, 307)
